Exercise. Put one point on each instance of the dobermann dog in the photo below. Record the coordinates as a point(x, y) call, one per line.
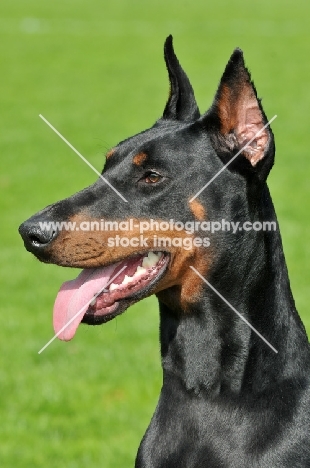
point(228, 399)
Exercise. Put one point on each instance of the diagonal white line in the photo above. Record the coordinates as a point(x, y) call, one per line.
point(232, 159)
point(235, 310)
point(81, 310)
point(83, 159)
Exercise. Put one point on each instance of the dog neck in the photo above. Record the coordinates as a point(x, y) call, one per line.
point(209, 349)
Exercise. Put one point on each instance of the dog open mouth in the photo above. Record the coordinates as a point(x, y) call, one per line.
point(98, 295)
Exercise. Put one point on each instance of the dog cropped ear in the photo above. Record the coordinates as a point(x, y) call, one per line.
point(181, 104)
point(237, 118)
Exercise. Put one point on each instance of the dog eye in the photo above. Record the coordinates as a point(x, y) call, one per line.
point(152, 177)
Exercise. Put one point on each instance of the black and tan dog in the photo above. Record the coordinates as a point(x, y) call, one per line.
point(228, 399)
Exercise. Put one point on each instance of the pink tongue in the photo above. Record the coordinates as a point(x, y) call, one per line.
point(73, 299)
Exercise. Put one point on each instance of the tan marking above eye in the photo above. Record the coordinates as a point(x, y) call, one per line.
point(110, 153)
point(139, 159)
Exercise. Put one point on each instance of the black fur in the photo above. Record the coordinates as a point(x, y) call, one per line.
point(227, 399)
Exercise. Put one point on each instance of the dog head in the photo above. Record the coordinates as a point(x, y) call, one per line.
point(139, 227)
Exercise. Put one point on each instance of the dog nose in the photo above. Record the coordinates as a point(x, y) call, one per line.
point(35, 237)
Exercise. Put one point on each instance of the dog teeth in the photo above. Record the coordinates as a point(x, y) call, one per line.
point(93, 302)
point(148, 262)
point(140, 270)
point(151, 259)
point(127, 279)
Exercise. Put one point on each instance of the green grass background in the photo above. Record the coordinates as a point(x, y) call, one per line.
point(95, 70)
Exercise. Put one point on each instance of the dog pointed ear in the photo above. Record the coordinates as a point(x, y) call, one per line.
point(236, 118)
point(181, 104)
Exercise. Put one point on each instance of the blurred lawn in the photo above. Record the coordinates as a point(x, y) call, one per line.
point(95, 70)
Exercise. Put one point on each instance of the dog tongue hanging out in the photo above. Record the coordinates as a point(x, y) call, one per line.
point(94, 294)
point(228, 400)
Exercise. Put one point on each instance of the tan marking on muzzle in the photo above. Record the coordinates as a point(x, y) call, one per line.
point(94, 249)
point(197, 209)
